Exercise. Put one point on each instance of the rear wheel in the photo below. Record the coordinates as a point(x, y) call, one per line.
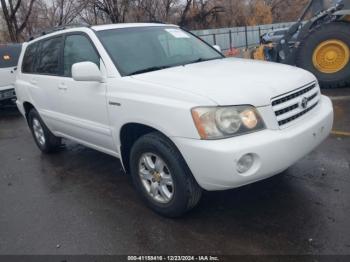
point(43, 137)
point(326, 53)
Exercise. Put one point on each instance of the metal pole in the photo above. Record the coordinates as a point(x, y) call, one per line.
point(214, 38)
point(246, 37)
point(230, 32)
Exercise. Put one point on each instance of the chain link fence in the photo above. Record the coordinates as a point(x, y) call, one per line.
point(238, 37)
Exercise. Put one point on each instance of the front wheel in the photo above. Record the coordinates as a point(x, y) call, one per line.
point(162, 177)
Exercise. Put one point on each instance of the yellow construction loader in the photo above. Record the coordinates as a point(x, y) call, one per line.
point(320, 44)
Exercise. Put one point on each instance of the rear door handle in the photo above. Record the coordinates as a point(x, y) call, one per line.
point(62, 87)
point(33, 82)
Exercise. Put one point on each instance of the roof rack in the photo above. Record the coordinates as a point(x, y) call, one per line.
point(59, 28)
point(157, 22)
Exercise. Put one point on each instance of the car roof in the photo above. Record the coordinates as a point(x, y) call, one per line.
point(78, 28)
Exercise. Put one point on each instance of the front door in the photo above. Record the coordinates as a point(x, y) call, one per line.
point(83, 104)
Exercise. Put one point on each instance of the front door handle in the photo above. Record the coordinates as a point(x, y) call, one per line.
point(33, 82)
point(62, 87)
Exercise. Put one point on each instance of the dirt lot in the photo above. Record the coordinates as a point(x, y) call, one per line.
point(80, 202)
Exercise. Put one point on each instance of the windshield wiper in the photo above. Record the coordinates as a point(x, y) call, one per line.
point(157, 68)
point(199, 60)
point(149, 69)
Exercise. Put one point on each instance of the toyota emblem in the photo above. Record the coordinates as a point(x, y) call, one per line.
point(304, 103)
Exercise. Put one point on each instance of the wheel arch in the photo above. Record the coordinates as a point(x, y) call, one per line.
point(27, 107)
point(129, 134)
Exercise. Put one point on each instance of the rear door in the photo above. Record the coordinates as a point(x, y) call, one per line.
point(42, 72)
point(9, 55)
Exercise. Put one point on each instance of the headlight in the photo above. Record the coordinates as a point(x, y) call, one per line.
point(223, 122)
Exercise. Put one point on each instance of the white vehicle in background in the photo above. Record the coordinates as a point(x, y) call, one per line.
point(179, 115)
point(9, 55)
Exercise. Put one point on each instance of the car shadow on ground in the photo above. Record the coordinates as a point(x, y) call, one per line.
point(270, 209)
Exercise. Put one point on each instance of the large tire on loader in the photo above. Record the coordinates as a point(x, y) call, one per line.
point(326, 53)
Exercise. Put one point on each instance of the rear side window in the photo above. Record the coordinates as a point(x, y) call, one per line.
point(9, 55)
point(78, 48)
point(49, 57)
point(29, 58)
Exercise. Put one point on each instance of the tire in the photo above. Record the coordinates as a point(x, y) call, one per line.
point(339, 31)
point(44, 139)
point(186, 193)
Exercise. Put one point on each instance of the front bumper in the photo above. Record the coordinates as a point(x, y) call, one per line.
point(214, 163)
point(8, 93)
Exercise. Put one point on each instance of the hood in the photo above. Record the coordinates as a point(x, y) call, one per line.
point(232, 81)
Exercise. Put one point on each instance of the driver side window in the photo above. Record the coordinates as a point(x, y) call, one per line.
point(78, 48)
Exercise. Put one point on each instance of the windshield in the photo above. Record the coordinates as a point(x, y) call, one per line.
point(144, 49)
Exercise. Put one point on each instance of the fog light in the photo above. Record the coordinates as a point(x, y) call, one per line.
point(245, 163)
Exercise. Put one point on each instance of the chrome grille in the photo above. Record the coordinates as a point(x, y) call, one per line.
point(294, 95)
point(291, 106)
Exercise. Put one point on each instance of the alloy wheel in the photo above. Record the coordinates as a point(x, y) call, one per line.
point(156, 178)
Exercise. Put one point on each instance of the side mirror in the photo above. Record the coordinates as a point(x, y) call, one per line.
point(217, 47)
point(86, 71)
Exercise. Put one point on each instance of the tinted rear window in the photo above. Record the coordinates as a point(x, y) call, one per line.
point(29, 59)
point(9, 55)
point(49, 57)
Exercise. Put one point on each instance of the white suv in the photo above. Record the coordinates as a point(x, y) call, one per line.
point(9, 55)
point(179, 115)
